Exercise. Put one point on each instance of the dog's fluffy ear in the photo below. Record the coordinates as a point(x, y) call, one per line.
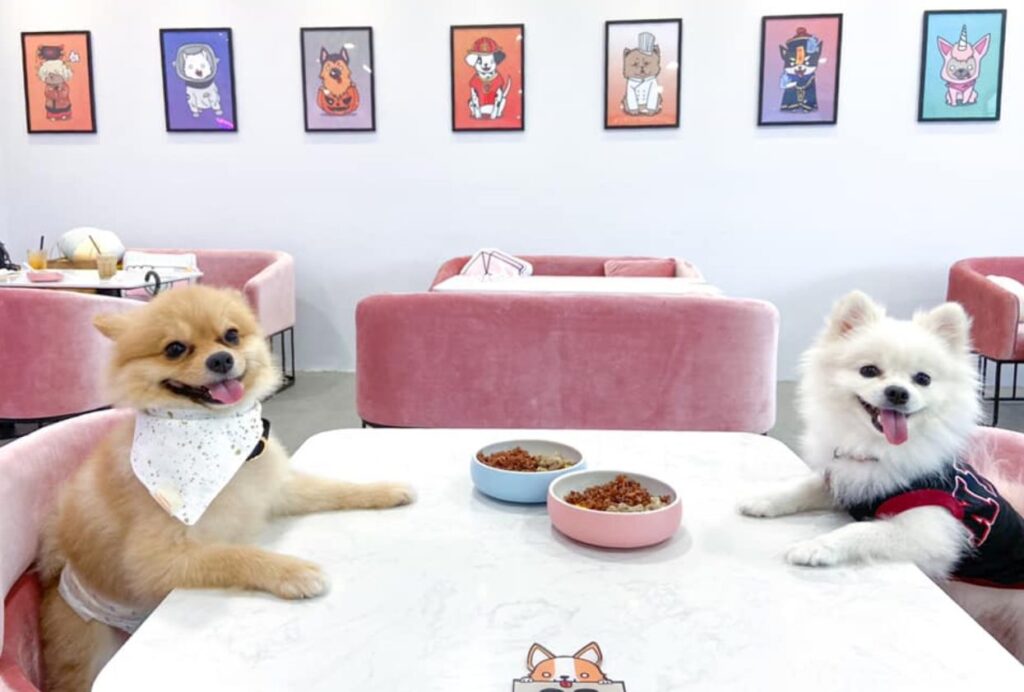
point(949, 322)
point(471, 59)
point(110, 325)
point(323, 55)
point(851, 312)
point(591, 652)
point(537, 655)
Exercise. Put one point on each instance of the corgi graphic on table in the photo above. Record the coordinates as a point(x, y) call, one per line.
point(641, 67)
point(488, 89)
point(580, 672)
point(961, 66)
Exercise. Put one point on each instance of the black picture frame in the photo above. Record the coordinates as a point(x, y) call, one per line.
point(522, 86)
point(231, 66)
point(89, 71)
point(924, 65)
point(678, 21)
point(839, 72)
point(373, 79)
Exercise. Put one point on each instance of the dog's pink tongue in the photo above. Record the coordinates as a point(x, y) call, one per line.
point(894, 426)
point(227, 392)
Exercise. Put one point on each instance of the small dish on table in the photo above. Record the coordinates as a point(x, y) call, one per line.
point(614, 509)
point(521, 470)
point(44, 276)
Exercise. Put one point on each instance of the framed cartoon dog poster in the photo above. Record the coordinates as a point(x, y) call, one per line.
point(800, 69)
point(642, 71)
point(488, 77)
point(199, 80)
point(57, 67)
point(337, 79)
point(962, 65)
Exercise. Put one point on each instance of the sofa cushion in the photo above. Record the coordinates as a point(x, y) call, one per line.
point(640, 267)
point(1013, 286)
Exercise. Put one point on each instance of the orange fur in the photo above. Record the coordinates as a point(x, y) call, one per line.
point(122, 544)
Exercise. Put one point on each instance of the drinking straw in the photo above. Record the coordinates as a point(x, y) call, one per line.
point(42, 238)
point(93, 241)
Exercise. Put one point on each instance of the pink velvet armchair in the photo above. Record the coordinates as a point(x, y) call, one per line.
point(31, 470)
point(505, 360)
point(54, 359)
point(267, 279)
point(996, 329)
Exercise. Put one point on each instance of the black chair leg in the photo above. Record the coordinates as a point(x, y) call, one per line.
point(998, 393)
point(287, 356)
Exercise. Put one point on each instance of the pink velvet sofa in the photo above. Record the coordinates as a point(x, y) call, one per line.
point(504, 360)
point(267, 279)
point(53, 358)
point(31, 471)
point(996, 329)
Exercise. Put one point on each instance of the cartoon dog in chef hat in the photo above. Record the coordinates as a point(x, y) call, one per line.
point(488, 89)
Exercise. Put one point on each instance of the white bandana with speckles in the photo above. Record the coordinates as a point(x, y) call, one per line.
point(185, 458)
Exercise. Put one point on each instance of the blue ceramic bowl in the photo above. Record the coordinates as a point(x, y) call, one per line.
point(528, 487)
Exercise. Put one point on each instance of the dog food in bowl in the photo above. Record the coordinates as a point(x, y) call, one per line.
point(617, 509)
point(621, 494)
point(518, 459)
point(521, 470)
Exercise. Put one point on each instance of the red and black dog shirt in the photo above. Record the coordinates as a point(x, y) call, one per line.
point(997, 529)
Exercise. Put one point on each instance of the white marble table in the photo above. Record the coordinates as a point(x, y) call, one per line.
point(644, 285)
point(124, 280)
point(449, 593)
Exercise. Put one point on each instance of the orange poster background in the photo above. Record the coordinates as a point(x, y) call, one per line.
point(622, 36)
point(510, 39)
point(80, 84)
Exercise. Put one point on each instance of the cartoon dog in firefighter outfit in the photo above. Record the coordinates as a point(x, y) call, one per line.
point(801, 56)
point(489, 88)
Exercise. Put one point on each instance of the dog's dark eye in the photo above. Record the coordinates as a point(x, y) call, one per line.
point(870, 371)
point(175, 350)
point(922, 379)
point(231, 337)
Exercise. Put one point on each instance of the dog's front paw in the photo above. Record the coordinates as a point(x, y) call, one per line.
point(817, 552)
point(299, 579)
point(384, 495)
point(761, 506)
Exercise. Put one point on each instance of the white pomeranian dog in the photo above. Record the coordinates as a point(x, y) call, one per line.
point(890, 407)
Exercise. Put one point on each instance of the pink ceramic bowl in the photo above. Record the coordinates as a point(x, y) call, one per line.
point(613, 529)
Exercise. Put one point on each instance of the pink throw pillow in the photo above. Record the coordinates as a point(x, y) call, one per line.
point(640, 267)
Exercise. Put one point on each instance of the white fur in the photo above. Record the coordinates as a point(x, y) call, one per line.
point(841, 444)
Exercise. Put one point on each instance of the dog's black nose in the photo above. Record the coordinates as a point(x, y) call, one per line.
point(897, 395)
point(220, 363)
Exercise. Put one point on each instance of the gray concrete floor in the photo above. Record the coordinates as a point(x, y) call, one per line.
point(326, 400)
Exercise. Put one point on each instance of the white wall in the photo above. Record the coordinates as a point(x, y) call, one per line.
point(793, 215)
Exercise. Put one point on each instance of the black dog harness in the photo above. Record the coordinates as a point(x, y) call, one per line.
point(997, 529)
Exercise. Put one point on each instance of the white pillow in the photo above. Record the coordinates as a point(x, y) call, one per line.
point(1013, 286)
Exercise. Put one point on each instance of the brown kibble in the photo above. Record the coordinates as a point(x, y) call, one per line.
point(622, 494)
point(518, 459)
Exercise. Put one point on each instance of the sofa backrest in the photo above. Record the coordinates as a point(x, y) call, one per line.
point(504, 360)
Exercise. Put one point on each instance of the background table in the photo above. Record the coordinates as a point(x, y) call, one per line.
point(124, 280)
point(449, 593)
point(646, 285)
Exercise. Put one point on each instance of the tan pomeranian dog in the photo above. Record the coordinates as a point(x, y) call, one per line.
point(171, 499)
